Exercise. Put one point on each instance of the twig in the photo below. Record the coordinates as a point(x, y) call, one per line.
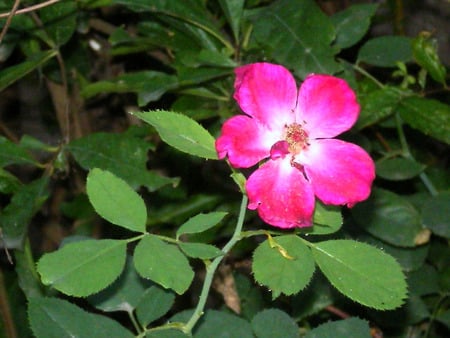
point(29, 9)
point(8, 21)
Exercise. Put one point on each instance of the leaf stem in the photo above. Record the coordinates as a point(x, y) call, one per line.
point(211, 269)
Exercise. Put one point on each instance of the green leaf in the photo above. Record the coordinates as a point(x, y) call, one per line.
point(154, 304)
point(228, 325)
point(16, 216)
point(114, 200)
point(352, 24)
point(376, 106)
point(362, 272)
point(200, 250)
point(171, 333)
point(201, 222)
point(233, 10)
point(60, 21)
point(250, 297)
point(8, 182)
point(57, 318)
point(11, 153)
point(425, 51)
point(83, 268)
point(149, 85)
point(181, 132)
point(327, 220)
point(14, 73)
point(386, 51)
point(287, 30)
point(398, 169)
point(429, 116)
point(273, 323)
point(409, 258)
point(384, 214)
point(191, 12)
point(351, 327)
point(124, 156)
point(282, 274)
point(163, 263)
point(124, 294)
point(436, 214)
point(315, 298)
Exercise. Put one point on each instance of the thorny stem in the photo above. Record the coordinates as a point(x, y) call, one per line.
point(211, 269)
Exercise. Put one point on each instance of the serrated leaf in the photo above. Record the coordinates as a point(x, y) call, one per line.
point(352, 24)
point(83, 268)
point(181, 132)
point(273, 323)
point(124, 294)
point(11, 153)
point(351, 327)
point(12, 74)
point(114, 200)
point(154, 304)
point(125, 156)
point(377, 105)
point(386, 51)
point(397, 169)
point(362, 272)
point(288, 32)
point(163, 263)
point(200, 223)
point(384, 213)
point(200, 250)
point(16, 216)
point(429, 116)
point(282, 274)
point(57, 318)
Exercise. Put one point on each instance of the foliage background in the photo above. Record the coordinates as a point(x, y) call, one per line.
point(71, 74)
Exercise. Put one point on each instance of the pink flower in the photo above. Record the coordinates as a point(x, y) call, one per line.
point(294, 130)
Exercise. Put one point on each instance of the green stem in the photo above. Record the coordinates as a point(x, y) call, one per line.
point(136, 325)
point(366, 74)
point(211, 269)
point(407, 153)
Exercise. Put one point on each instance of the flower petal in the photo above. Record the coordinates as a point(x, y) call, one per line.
point(340, 172)
point(281, 194)
point(245, 141)
point(266, 92)
point(328, 106)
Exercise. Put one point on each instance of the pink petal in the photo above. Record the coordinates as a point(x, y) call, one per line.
point(281, 194)
point(244, 141)
point(266, 92)
point(340, 172)
point(328, 106)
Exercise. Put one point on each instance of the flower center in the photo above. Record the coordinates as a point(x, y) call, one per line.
point(296, 137)
point(296, 140)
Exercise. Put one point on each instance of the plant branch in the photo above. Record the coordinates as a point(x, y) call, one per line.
point(211, 269)
point(8, 20)
point(29, 9)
